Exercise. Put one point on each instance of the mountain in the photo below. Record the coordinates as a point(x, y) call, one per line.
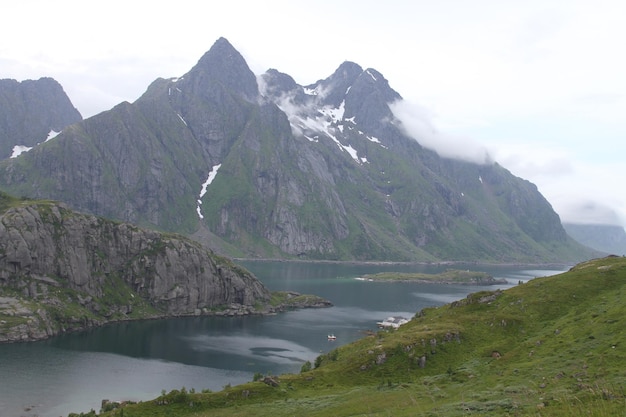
point(553, 346)
point(602, 237)
point(263, 167)
point(32, 111)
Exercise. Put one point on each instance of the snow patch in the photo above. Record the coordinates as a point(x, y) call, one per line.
point(181, 118)
point(352, 152)
point(373, 139)
point(51, 135)
point(310, 91)
point(371, 75)
point(480, 179)
point(208, 182)
point(306, 120)
point(335, 113)
point(18, 150)
point(312, 139)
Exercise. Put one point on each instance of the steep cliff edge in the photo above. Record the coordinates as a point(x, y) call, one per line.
point(61, 270)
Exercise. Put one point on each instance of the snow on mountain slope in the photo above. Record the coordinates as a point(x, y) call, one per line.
point(312, 115)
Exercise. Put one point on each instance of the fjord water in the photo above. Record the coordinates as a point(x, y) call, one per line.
point(137, 360)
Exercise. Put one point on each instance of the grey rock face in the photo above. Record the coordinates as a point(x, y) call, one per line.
point(29, 110)
point(58, 247)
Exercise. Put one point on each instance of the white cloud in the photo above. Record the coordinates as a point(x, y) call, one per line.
point(417, 123)
point(579, 191)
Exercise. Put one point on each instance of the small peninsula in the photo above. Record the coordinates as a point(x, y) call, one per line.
point(450, 276)
point(63, 271)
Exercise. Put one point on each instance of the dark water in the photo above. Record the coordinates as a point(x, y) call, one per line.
point(136, 361)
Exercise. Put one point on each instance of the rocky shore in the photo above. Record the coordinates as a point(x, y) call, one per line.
point(63, 271)
point(24, 321)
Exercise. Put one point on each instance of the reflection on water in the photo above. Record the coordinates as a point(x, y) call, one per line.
point(53, 382)
point(73, 373)
point(267, 349)
point(437, 298)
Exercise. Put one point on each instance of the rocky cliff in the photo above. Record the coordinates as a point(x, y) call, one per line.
point(31, 111)
point(61, 270)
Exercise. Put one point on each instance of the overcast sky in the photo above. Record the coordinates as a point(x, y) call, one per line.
point(541, 85)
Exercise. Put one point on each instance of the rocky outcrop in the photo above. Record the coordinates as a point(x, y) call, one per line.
point(52, 243)
point(63, 270)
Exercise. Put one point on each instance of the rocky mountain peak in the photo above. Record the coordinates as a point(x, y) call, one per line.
point(369, 98)
point(223, 65)
point(351, 98)
point(318, 171)
point(30, 111)
point(275, 84)
point(333, 89)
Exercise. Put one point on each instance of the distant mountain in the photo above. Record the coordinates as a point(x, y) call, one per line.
point(32, 111)
point(264, 167)
point(605, 238)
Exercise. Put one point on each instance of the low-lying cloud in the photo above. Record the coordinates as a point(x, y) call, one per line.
point(590, 212)
point(579, 192)
point(417, 123)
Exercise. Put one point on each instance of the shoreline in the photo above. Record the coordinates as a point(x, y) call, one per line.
point(32, 330)
point(416, 263)
point(426, 281)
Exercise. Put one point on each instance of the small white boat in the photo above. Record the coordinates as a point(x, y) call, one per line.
point(332, 337)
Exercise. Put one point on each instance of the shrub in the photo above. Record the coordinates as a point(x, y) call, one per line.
point(306, 367)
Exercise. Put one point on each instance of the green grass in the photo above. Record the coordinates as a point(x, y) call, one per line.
point(554, 346)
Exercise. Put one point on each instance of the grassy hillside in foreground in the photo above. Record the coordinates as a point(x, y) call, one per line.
point(554, 346)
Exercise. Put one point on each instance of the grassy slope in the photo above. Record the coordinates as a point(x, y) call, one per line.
point(559, 340)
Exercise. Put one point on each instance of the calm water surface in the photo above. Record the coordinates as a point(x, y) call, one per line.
point(136, 361)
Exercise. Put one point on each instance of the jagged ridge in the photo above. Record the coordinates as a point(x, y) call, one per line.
point(269, 168)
